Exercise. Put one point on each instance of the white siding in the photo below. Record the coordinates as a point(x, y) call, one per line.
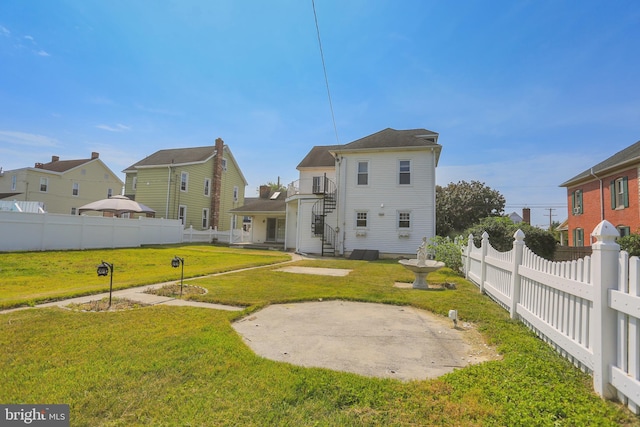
point(306, 241)
point(383, 197)
point(306, 178)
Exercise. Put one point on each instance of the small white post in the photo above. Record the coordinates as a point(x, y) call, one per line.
point(518, 246)
point(483, 260)
point(604, 276)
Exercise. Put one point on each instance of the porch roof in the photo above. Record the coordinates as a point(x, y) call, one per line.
point(263, 205)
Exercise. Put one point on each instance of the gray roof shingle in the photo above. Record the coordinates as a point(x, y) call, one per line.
point(176, 156)
point(392, 138)
point(63, 165)
point(320, 155)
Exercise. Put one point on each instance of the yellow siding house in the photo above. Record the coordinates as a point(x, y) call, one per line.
point(62, 186)
point(198, 185)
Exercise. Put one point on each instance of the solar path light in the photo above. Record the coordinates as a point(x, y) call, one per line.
point(175, 263)
point(104, 269)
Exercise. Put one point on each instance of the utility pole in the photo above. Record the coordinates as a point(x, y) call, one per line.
point(551, 214)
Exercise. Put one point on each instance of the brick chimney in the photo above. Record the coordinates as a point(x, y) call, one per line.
point(94, 155)
point(55, 158)
point(265, 190)
point(526, 215)
point(217, 183)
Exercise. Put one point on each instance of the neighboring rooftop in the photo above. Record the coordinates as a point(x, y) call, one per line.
point(175, 156)
point(57, 165)
point(627, 156)
point(269, 202)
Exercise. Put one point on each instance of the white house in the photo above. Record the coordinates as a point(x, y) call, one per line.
point(374, 194)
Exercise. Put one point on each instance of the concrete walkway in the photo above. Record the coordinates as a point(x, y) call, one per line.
point(139, 295)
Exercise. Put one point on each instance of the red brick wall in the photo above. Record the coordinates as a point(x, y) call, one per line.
point(592, 210)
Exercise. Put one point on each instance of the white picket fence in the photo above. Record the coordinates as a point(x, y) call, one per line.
point(214, 235)
point(587, 309)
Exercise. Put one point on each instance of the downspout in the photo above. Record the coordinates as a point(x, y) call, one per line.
point(342, 190)
point(601, 195)
point(166, 215)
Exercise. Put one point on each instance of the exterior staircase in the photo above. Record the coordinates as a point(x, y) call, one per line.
point(321, 209)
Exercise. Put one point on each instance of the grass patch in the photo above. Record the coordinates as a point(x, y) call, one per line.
point(103, 305)
point(34, 277)
point(174, 290)
point(178, 366)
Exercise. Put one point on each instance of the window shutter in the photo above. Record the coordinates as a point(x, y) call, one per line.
point(580, 205)
point(625, 189)
point(612, 190)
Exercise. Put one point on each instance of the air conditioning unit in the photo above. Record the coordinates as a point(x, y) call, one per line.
point(576, 211)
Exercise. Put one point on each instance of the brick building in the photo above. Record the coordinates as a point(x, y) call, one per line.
point(608, 190)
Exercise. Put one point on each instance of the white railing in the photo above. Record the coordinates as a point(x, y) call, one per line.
point(587, 309)
point(213, 235)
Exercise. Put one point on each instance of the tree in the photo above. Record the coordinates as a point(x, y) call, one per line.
point(276, 186)
point(459, 206)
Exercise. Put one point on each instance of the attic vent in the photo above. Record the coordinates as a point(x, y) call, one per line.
point(275, 195)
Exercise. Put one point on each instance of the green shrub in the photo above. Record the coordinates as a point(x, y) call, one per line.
point(630, 243)
point(448, 251)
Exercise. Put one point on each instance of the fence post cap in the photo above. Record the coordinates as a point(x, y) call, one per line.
point(485, 235)
point(605, 232)
point(519, 235)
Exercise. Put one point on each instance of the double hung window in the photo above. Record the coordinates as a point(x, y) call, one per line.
point(361, 220)
point(363, 173)
point(404, 174)
point(619, 193)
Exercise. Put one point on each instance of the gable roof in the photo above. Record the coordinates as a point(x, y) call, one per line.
point(386, 139)
point(175, 157)
point(628, 156)
point(392, 138)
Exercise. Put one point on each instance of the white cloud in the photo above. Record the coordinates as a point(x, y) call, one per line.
point(4, 31)
point(42, 53)
point(28, 139)
point(117, 128)
point(30, 38)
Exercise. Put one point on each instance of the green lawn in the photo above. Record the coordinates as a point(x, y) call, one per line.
point(184, 366)
point(32, 277)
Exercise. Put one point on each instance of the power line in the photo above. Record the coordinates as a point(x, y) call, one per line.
point(324, 69)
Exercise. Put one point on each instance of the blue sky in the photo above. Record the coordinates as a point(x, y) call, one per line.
point(524, 94)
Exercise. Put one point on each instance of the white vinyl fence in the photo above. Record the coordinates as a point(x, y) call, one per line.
point(22, 231)
point(588, 309)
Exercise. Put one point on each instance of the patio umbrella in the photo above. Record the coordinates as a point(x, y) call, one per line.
point(117, 205)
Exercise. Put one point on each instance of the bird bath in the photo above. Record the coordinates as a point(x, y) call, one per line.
point(421, 266)
point(421, 269)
